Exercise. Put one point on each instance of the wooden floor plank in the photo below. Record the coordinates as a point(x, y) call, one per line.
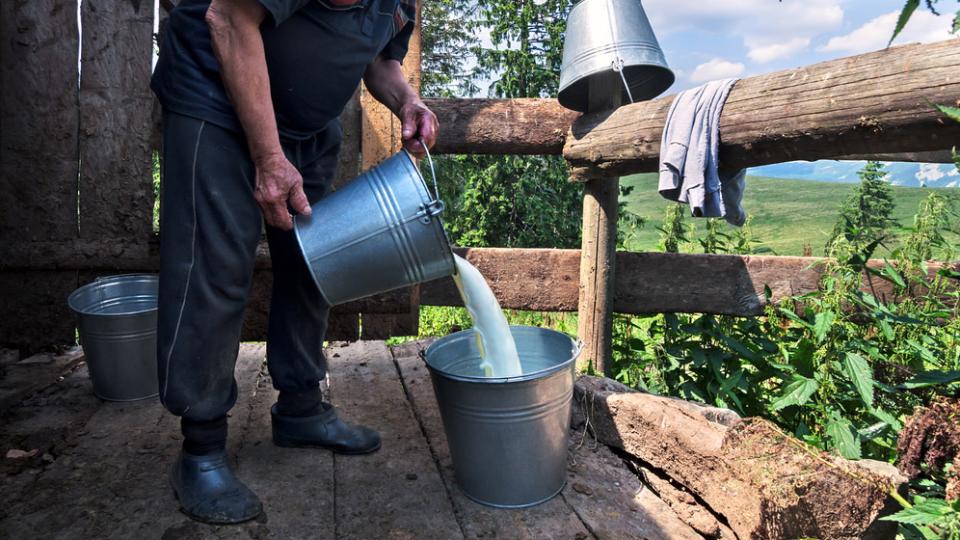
point(396, 492)
point(553, 519)
point(114, 483)
point(296, 485)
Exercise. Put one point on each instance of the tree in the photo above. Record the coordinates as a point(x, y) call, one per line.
point(448, 32)
point(504, 201)
point(866, 215)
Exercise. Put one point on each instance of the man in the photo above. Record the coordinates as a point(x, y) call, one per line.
point(251, 90)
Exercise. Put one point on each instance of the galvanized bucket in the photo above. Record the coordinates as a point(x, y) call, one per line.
point(507, 436)
point(118, 331)
point(610, 51)
point(377, 233)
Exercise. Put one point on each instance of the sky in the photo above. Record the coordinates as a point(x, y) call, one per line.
point(714, 39)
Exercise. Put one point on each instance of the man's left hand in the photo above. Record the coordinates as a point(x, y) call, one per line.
point(418, 123)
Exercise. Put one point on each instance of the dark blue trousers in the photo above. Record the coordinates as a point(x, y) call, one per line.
point(210, 225)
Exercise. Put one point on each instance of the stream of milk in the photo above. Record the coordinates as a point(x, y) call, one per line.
point(498, 351)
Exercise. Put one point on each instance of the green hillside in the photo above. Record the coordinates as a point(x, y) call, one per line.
point(786, 214)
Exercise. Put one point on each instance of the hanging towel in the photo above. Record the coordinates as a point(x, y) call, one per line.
point(688, 155)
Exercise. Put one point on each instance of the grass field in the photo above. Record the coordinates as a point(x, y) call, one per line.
point(786, 214)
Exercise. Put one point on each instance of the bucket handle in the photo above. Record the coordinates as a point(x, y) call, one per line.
point(433, 173)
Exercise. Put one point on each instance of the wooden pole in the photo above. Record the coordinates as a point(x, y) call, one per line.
point(597, 264)
point(598, 252)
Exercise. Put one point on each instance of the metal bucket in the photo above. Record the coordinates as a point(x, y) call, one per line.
point(118, 331)
point(377, 233)
point(610, 49)
point(507, 435)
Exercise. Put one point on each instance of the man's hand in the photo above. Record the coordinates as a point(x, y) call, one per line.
point(279, 183)
point(418, 122)
point(385, 80)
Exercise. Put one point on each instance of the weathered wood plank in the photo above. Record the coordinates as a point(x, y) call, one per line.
point(113, 483)
point(501, 126)
point(766, 484)
point(553, 519)
point(397, 491)
point(116, 125)
point(873, 103)
point(295, 485)
point(38, 163)
point(38, 115)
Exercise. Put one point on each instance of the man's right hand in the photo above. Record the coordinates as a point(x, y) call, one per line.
point(278, 184)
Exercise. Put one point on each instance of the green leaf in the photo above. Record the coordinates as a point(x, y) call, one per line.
point(821, 324)
point(802, 357)
point(891, 274)
point(952, 112)
point(886, 329)
point(905, 14)
point(843, 437)
point(796, 393)
point(887, 418)
point(931, 378)
point(923, 513)
point(858, 370)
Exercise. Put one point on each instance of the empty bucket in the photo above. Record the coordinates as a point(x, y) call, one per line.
point(507, 435)
point(118, 331)
point(610, 51)
point(379, 232)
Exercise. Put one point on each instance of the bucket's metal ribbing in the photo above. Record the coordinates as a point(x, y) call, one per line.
point(612, 43)
point(117, 319)
point(507, 436)
point(377, 233)
point(393, 215)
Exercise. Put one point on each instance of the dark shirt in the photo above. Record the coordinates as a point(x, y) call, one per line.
point(316, 55)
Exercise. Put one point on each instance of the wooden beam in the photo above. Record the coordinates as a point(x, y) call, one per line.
point(932, 156)
point(875, 103)
point(501, 126)
point(646, 283)
point(531, 279)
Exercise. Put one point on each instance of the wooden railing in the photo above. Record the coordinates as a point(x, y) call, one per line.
point(76, 167)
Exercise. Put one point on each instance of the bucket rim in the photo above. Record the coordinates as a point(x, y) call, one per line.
point(577, 348)
point(72, 298)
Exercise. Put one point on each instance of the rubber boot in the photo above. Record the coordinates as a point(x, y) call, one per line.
point(325, 430)
point(210, 492)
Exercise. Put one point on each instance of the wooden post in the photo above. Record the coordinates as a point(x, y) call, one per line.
point(597, 264)
point(380, 139)
point(598, 253)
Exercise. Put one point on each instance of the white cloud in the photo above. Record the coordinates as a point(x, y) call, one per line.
point(763, 52)
point(929, 172)
point(717, 68)
point(875, 33)
point(769, 30)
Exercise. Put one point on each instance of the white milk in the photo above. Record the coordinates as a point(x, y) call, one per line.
point(498, 352)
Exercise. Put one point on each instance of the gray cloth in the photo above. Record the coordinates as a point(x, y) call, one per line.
point(689, 167)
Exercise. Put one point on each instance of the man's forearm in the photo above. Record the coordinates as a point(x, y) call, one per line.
point(235, 33)
point(386, 82)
